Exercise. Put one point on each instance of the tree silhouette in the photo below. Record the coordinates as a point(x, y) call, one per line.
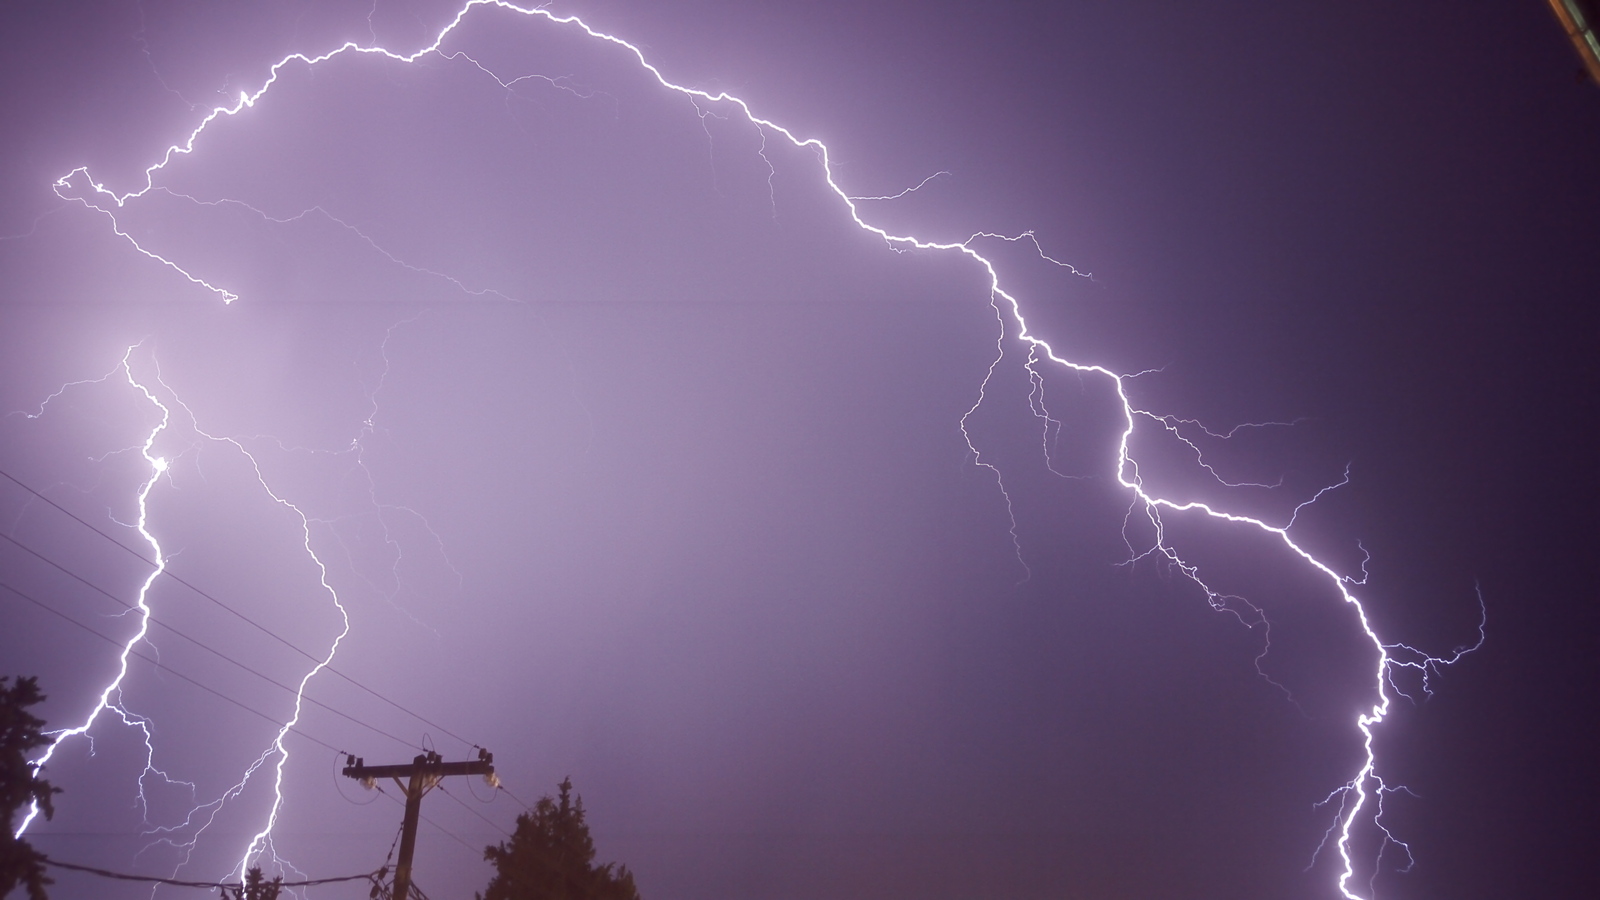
point(255, 887)
point(551, 857)
point(20, 786)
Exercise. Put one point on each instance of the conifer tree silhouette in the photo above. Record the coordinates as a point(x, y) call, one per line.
point(551, 857)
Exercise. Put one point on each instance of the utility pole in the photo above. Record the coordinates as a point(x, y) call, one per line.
point(423, 772)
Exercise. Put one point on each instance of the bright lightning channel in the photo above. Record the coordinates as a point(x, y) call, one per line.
point(200, 817)
point(1364, 790)
point(263, 838)
point(113, 689)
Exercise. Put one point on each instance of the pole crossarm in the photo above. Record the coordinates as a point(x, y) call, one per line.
point(361, 772)
point(420, 775)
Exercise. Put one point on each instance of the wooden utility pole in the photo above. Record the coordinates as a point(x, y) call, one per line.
point(1581, 20)
point(422, 773)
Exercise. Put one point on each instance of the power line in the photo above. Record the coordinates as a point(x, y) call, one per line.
point(197, 642)
point(507, 791)
point(267, 631)
point(152, 879)
point(469, 809)
point(47, 607)
point(450, 834)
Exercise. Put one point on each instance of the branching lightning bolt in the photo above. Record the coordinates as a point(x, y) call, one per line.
point(200, 817)
point(262, 840)
point(1360, 798)
point(158, 466)
point(910, 190)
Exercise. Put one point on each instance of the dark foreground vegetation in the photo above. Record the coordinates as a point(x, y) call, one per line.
point(550, 855)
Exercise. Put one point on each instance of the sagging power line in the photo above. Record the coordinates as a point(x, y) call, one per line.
point(375, 877)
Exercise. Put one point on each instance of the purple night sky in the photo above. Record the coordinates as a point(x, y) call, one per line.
point(632, 458)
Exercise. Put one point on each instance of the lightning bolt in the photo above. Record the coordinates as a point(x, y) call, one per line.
point(276, 756)
point(262, 839)
point(910, 190)
point(1359, 799)
point(157, 467)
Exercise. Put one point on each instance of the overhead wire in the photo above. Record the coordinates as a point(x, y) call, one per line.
point(507, 791)
point(154, 879)
point(149, 616)
point(452, 835)
point(160, 665)
point(493, 784)
point(394, 843)
point(263, 629)
point(338, 787)
point(167, 571)
point(468, 807)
